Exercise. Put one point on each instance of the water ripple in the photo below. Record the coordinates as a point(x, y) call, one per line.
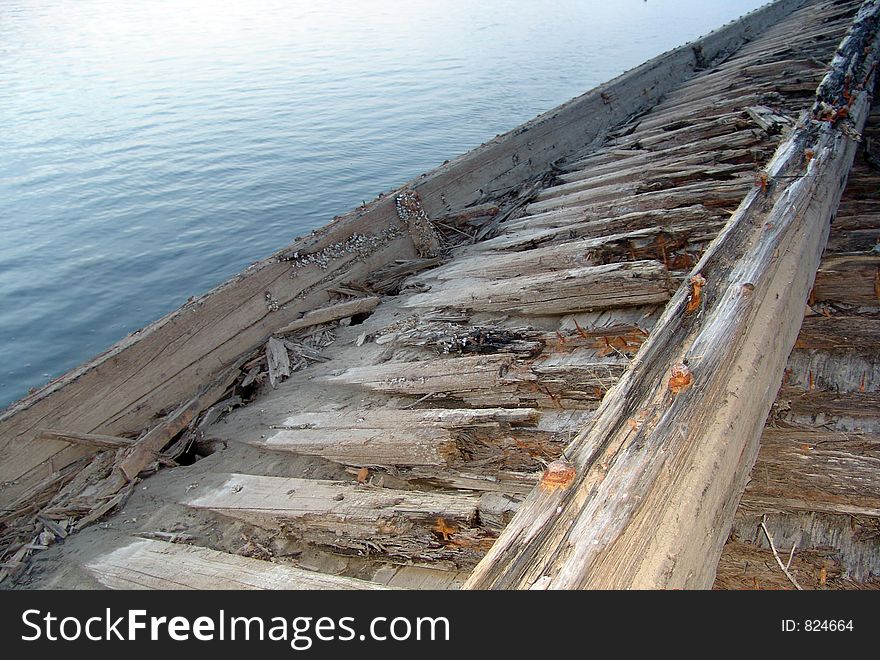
point(150, 150)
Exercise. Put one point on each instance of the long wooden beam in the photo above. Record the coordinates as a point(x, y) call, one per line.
point(650, 492)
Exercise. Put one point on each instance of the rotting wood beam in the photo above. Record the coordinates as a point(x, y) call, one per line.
point(349, 517)
point(652, 488)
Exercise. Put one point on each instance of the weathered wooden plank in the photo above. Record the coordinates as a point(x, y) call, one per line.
point(804, 469)
point(562, 292)
point(661, 244)
point(277, 360)
point(637, 166)
point(707, 193)
point(147, 448)
point(149, 564)
point(388, 418)
point(851, 280)
point(675, 445)
point(854, 333)
point(851, 411)
point(835, 370)
point(487, 451)
point(93, 440)
point(694, 218)
point(366, 446)
point(349, 517)
point(332, 313)
point(492, 379)
point(493, 442)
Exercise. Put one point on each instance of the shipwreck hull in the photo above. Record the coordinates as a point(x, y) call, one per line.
point(123, 390)
point(617, 284)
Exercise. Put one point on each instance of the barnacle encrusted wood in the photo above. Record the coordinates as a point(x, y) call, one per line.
point(411, 211)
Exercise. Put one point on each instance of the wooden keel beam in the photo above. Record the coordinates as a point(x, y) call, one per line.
point(658, 473)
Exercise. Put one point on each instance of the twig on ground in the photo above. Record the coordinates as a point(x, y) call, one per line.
point(776, 555)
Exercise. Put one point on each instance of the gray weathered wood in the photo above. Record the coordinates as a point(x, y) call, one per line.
point(149, 564)
point(350, 517)
point(87, 439)
point(572, 290)
point(657, 455)
point(332, 313)
point(278, 361)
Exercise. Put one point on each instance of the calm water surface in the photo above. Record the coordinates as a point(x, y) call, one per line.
point(149, 150)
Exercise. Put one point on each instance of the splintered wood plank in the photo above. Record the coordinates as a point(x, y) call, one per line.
point(691, 218)
point(654, 243)
point(389, 418)
point(572, 290)
point(149, 564)
point(348, 517)
point(816, 470)
point(331, 313)
point(87, 439)
point(706, 193)
point(460, 374)
point(356, 446)
point(652, 484)
point(490, 378)
point(486, 450)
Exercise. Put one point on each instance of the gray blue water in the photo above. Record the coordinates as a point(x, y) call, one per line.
point(149, 150)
